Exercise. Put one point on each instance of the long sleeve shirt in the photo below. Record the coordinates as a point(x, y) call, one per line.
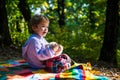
point(35, 52)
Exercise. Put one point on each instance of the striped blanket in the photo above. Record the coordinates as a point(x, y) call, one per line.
point(19, 70)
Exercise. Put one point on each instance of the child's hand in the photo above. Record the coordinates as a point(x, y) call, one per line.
point(59, 50)
point(56, 48)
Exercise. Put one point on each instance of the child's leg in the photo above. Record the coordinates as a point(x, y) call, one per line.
point(58, 64)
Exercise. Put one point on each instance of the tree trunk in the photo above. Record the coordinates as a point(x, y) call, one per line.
point(25, 10)
point(109, 48)
point(4, 30)
point(61, 13)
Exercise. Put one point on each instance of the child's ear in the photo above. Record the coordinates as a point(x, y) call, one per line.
point(34, 28)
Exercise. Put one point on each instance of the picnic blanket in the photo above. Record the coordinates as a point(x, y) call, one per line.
point(20, 70)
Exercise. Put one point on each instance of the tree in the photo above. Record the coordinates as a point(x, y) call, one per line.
point(4, 30)
point(61, 12)
point(24, 9)
point(109, 47)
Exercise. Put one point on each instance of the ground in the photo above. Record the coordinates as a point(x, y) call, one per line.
point(99, 68)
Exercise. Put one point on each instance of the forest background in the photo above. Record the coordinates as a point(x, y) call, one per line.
point(88, 30)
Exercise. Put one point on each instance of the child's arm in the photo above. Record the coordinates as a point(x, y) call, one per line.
point(35, 49)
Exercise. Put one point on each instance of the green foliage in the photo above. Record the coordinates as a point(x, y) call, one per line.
point(80, 43)
point(19, 38)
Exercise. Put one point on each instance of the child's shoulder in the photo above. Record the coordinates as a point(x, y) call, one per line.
point(33, 37)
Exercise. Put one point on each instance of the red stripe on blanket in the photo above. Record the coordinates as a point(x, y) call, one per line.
point(57, 77)
point(84, 75)
point(25, 72)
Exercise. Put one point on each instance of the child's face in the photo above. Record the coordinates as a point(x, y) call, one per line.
point(41, 29)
